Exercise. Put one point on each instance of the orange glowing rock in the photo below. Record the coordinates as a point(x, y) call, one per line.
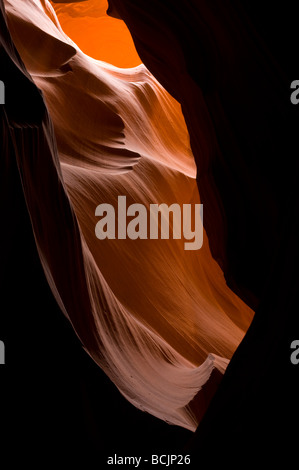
point(97, 34)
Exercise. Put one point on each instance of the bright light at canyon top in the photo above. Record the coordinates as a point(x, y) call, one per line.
point(97, 34)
